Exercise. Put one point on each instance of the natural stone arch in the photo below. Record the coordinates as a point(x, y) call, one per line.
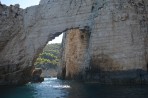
point(37, 25)
point(118, 35)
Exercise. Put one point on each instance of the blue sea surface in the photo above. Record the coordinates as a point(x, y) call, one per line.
point(55, 88)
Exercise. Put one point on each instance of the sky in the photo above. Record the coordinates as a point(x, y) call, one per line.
point(23, 3)
point(57, 39)
point(27, 3)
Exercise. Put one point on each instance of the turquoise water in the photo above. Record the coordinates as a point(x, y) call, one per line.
point(54, 88)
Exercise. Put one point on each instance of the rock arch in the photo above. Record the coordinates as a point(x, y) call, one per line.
point(118, 39)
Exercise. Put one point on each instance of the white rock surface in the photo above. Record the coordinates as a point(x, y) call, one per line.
point(118, 39)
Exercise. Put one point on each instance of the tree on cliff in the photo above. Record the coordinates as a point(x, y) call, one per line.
point(49, 57)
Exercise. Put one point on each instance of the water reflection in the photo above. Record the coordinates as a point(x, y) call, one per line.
point(17, 92)
point(54, 88)
point(50, 88)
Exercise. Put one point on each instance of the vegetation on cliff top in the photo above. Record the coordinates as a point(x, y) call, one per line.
point(49, 58)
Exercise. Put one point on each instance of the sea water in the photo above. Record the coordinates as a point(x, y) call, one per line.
point(55, 88)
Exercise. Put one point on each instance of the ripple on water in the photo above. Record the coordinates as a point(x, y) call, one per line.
point(54, 88)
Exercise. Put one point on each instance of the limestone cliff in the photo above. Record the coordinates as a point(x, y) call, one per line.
point(74, 54)
point(13, 69)
point(105, 40)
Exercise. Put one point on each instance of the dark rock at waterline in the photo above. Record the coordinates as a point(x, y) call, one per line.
point(37, 79)
point(36, 76)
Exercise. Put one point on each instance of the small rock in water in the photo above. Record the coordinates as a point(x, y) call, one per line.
point(36, 76)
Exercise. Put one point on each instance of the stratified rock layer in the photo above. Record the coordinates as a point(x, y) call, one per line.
point(115, 50)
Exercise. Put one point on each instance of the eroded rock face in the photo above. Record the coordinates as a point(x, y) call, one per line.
point(74, 56)
point(115, 48)
point(13, 66)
